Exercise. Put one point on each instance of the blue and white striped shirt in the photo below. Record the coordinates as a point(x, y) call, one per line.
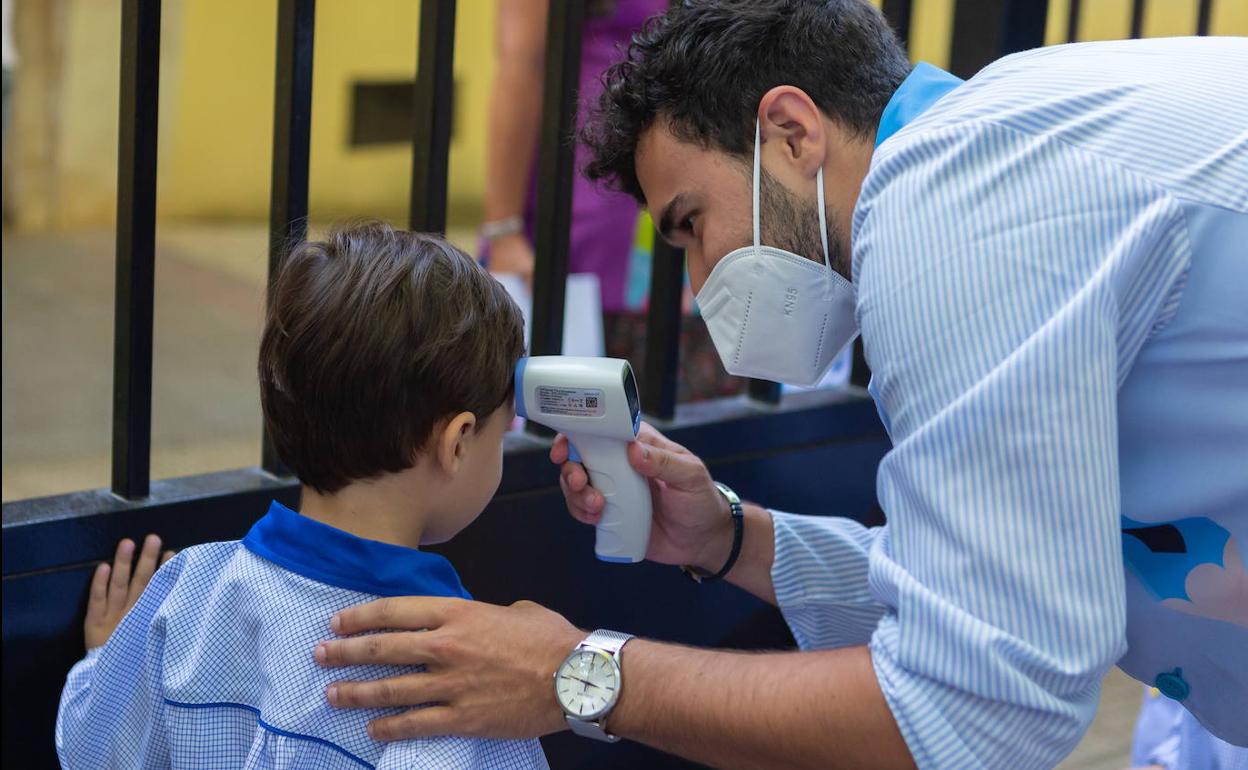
point(1051, 262)
point(213, 668)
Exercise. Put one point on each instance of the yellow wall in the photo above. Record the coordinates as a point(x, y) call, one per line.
point(217, 101)
point(220, 155)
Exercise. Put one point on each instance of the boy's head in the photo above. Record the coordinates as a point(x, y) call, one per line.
point(384, 350)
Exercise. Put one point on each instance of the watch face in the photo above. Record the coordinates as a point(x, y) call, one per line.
point(587, 682)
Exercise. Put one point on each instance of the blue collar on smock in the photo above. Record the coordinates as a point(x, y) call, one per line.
point(328, 555)
point(922, 88)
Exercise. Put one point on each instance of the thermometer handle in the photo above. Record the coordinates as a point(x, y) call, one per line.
point(624, 531)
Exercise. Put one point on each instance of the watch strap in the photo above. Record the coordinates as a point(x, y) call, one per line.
point(609, 642)
point(588, 729)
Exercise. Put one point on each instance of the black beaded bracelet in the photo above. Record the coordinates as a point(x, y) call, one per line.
point(699, 575)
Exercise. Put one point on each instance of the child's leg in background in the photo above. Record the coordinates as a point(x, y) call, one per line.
point(1169, 737)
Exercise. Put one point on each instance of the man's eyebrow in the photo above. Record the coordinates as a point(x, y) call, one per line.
point(666, 221)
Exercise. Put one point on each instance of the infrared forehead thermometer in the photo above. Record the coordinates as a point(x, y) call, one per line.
point(594, 402)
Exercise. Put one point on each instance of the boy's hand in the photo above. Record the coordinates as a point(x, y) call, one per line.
point(114, 590)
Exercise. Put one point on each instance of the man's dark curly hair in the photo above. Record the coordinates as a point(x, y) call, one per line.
point(705, 64)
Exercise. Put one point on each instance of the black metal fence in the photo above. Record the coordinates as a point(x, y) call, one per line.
point(769, 448)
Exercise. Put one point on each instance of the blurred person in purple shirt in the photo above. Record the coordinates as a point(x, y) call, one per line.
point(603, 221)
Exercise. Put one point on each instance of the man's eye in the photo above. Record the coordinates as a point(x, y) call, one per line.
point(687, 223)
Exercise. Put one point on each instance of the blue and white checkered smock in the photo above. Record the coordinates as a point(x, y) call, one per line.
point(1051, 262)
point(213, 666)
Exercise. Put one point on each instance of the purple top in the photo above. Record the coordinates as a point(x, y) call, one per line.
point(603, 221)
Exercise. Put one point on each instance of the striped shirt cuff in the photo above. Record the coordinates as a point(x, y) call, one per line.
point(820, 577)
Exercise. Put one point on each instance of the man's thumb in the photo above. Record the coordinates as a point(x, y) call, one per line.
point(656, 463)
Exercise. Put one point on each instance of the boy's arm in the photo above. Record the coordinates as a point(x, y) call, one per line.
point(112, 705)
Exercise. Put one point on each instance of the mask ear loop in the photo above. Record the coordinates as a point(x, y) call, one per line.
point(758, 143)
point(823, 218)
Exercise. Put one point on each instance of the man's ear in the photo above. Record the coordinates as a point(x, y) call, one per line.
point(452, 441)
point(793, 130)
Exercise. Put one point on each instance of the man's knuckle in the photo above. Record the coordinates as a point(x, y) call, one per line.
point(385, 693)
point(443, 647)
point(385, 610)
point(456, 609)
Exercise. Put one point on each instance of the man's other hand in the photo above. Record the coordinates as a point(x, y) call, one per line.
point(488, 668)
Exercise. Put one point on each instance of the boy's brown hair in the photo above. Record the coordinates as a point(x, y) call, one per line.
point(372, 337)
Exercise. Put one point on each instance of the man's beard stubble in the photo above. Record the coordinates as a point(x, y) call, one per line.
point(792, 224)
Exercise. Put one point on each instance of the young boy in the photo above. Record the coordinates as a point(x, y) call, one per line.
point(386, 372)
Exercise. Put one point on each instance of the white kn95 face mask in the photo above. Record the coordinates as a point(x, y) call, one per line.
point(776, 315)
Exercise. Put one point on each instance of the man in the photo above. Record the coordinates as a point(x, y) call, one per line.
point(1047, 264)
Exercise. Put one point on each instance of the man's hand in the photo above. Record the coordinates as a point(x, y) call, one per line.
point(488, 668)
point(114, 590)
point(692, 521)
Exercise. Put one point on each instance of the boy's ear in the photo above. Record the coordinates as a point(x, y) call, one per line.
point(452, 441)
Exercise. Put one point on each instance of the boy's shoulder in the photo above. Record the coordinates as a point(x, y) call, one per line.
point(196, 561)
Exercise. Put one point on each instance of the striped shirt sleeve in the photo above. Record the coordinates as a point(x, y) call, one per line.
point(820, 577)
point(1006, 283)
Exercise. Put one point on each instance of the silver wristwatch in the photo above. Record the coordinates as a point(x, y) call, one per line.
point(587, 683)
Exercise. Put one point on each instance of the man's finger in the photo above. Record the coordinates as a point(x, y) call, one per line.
point(581, 496)
point(559, 450)
point(648, 434)
point(416, 723)
point(167, 555)
point(397, 648)
point(404, 690)
point(119, 584)
point(575, 475)
point(415, 612)
point(678, 469)
point(580, 513)
point(144, 569)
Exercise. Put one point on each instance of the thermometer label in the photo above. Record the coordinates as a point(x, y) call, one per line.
point(577, 402)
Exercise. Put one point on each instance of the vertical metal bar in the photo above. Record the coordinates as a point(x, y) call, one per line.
point(1203, 16)
point(985, 30)
point(763, 390)
point(431, 142)
point(1022, 26)
point(557, 162)
point(898, 14)
point(1137, 19)
point(663, 321)
point(977, 27)
point(1072, 22)
point(556, 165)
point(292, 128)
point(136, 248)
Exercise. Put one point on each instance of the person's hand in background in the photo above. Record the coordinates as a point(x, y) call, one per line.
point(114, 589)
point(512, 254)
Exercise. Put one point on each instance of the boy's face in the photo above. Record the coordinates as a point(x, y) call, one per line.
point(477, 478)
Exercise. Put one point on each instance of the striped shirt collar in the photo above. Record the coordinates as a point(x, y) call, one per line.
point(337, 558)
point(922, 88)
